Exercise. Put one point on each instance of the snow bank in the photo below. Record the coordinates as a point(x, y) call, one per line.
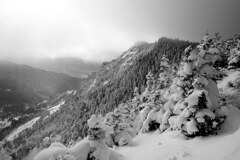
point(170, 146)
point(80, 151)
point(56, 108)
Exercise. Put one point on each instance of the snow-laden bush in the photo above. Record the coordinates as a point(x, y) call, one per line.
point(153, 120)
point(234, 58)
point(143, 116)
point(122, 124)
point(97, 134)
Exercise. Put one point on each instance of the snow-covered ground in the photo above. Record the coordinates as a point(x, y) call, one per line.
point(56, 108)
point(73, 92)
point(30, 123)
point(105, 82)
point(16, 132)
point(45, 101)
point(170, 145)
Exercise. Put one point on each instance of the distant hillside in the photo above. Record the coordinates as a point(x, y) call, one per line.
point(22, 85)
point(71, 66)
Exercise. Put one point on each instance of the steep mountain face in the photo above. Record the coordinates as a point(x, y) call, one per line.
point(22, 86)
point(70, 66)
point(117, 67)
point(115, 82)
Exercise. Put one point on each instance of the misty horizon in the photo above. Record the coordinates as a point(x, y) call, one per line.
point(99, 31)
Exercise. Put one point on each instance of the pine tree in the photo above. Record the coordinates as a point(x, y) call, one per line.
point(164, 77)
point(97, 135)
point(136, 98)
point(234, 58)
point(150, 87)
point(197, 115)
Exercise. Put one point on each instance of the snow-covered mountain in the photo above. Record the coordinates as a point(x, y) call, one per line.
point(118, 66)
point(167, 119)
point(159, 120)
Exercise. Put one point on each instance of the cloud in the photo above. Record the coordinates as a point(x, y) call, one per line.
point(99, 30)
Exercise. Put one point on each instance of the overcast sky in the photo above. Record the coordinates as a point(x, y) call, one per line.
point(100, 30)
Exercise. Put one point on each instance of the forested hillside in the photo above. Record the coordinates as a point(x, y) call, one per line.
point(117, 80)
point(22, 85)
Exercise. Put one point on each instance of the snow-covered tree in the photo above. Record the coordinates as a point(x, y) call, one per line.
point(97, 134)
point(136, 99)
point(120, 120)
point(196, 108)
point(234, 58)
point(165, 72)
point(150, 87)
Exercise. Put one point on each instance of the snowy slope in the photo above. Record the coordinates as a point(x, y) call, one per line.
point(30, 123)
point(170, 145)
point(56, 107)
point(16, 132)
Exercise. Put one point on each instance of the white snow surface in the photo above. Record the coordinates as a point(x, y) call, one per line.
point(73, 92)
point(79, 151)
point(56, 108)
point(231, 77)
point(171, 146)
point(16, 132)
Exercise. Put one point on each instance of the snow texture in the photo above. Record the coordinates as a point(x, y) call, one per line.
point(56, 108)
point(170, 145)
point(16, 132)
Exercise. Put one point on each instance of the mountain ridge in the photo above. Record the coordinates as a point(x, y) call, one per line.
point(23, 84)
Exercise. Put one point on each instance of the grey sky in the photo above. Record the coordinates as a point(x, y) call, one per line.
point(99, 30)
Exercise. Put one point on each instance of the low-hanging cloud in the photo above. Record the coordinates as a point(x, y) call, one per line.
point(102, 29)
